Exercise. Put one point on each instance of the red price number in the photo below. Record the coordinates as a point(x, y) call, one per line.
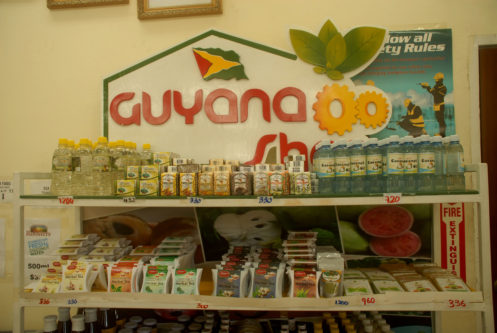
point(456, 303)
point(66, 200)
point(368, 300)
point(392, 198)
point(202, 306)
point(44, 301)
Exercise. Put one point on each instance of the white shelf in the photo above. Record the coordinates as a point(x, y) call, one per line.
point(427, 301)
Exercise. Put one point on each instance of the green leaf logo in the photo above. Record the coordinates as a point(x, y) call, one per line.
point(334, 54)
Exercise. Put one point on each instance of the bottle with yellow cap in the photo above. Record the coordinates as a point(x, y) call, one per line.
point(101, 169)
point(82, 166)
point(61, 169)
point(146, 155)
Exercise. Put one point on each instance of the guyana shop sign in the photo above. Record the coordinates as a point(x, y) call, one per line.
point(220, 96)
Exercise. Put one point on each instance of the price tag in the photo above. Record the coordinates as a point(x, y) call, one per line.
point(368, 301)
point(66, 200)
point(194, 200)
point(129, 199)
point(265, 200)
point(456, 303)
point(202, 306)
point(341, 302)
point(72, 301)
point(392, 198)
point(44, 301)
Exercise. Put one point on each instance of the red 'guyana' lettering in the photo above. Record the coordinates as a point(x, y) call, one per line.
point(233, 115)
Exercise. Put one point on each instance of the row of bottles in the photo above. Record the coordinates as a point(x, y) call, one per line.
point(88, 170)
point(393, 165)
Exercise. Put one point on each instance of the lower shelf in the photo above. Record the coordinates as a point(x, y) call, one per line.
point(427, 301)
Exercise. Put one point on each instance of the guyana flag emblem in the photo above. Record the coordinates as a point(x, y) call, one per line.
point(219, 64)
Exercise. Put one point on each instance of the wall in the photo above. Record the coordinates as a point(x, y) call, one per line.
point(52, 62)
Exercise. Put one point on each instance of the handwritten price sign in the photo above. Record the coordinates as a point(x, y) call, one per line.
point(456, 304)
point(66, 200)
point(392, 198)
point(265, 200)
point(202, 306)
point(44, 301)
point(368, 301)
point(194, 200)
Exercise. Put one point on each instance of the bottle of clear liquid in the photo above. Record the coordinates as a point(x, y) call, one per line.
point(410, 164)
point(50, 324)
point(327, 169)
point(316, 159)
point(395, 166)
point(383, 144)
point(374, 166)
point(101, 169)
point(342, 168)
point(357, 167)
point(440, 175)
point(64, 324)
point(82, 168)
point(118, 157)
point(132, 161)
point(426, 165)
point(147, 156)
point(61, 169)
point(455, 165)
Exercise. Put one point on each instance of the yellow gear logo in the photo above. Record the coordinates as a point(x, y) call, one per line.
point(380, 103)
point(323, 113)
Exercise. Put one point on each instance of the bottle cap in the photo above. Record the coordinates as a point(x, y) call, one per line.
point(102, 139)
point(146, 146)
point(64, 313)
point(150, 322)
point(136, 319)
point(50, 323)
point(90, 315)
point(62, 141)
point(78, 323)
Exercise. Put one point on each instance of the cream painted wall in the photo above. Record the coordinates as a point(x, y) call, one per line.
point(52, 62)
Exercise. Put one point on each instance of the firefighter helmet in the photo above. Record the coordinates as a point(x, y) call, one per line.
point(407, 101)
point(438, 76)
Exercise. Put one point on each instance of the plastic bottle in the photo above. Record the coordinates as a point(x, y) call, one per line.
point(64, 324)
point(374, 166)
point(101, 169)
point(426, 165)
point(91, 321)
point(50, 324)
point(61, 169)
point(383, 144)
point(410, 164)
point(439, 177)
point(132, 161)
point(82, 169)
point(342, 168)
point(395, 167)
point(118, 159)
point(326, 167)
point(455, 165)
point(357, 167)
point(78, 323)
point(147, 156)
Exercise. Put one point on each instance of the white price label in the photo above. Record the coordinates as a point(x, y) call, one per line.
point(194, 200)
point(129, 199)
point(392, 198)
point(6, 190)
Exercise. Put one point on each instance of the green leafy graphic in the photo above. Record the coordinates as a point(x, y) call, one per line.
point(334, 54)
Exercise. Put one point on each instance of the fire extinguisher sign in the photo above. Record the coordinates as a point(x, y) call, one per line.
point(453, 244)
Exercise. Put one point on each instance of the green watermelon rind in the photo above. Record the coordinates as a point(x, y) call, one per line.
point(375, 233)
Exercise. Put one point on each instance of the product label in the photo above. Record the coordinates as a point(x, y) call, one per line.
point(221, 183)
point(261, 186)
point(187, 184)
point(120, 279)
point(149, 172)
point(342, 166)
point(358, 165)
point(426, 162)
point(419, 286)
point(395, 163)
point(383, 286)
point(410, 163)
point(62, 163)
point(155, 280)
point(327, 165)
point(185, 281)
point(168, 184)
point(302, 183)
point(276, 183)
point(304, 284)
point(125, 187)
point(132, 172)
point(240, 183)
point(264, 283)
point(101, 163)
point(149, 187)
point(374, 165)
point(206, 183)
point(228, 283)
point(74, 277)
point(330, 281)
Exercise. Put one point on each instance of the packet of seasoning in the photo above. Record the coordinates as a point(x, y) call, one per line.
point(49, 283)
point(277, 182)
point(230, 283)
point(241, 183)
point(155, 279)
point(356, 287)
point(304, 283)
point(302, 235)
point(186, 281)
point(162, 158)
point(92, 238)
point(222, 181)
point(73, 251)
point(301, 183)
point(113, 242)
point(206, 183)
point(149, 172)
point(179, 161)
point(187, 184)
point(125, 187)
point(169, 184)
point(188, 168)
point(261, 180)
point(266, 283)
point(383, 286)
point(75, 243)
point(149, 187)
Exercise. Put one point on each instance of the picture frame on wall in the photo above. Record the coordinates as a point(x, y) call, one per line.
point(56, 4)
point(149, 9)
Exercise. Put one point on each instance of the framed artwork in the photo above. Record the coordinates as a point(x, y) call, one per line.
point(55, 4)
point(148, 9)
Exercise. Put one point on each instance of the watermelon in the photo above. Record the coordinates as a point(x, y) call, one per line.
point(405, 245)
point(386, 221)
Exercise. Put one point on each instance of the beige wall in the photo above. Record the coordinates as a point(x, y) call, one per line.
point(52, 62)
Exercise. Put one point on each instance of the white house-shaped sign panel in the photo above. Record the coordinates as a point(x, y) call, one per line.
point(220, 96)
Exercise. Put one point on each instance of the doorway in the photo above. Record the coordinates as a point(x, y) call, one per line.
point(487, 59)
